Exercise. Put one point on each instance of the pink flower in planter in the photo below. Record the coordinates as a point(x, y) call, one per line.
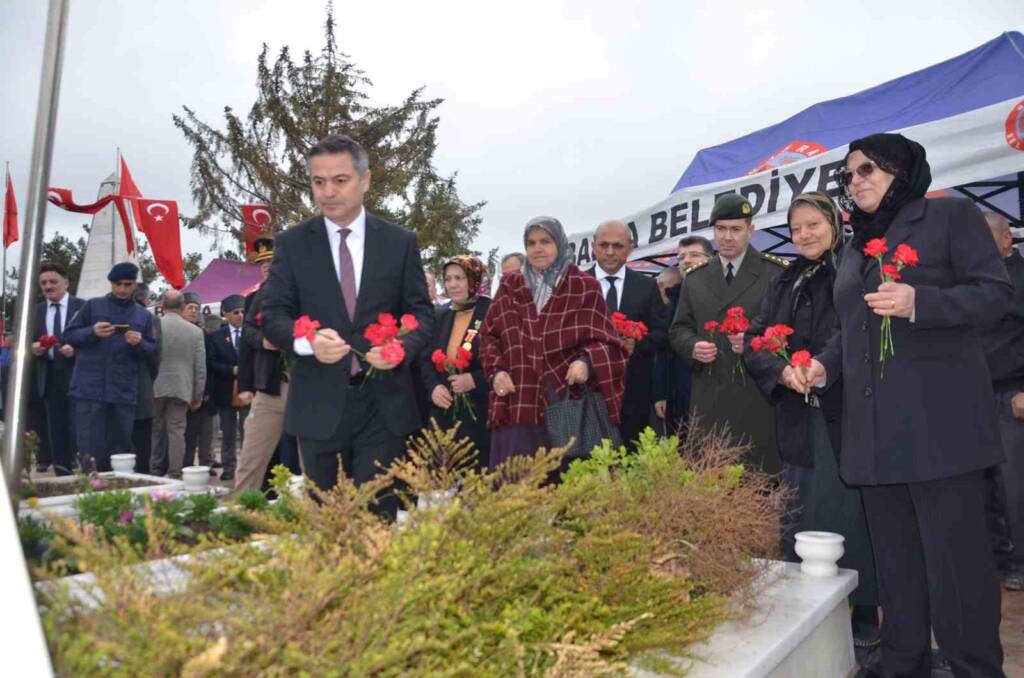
point(97, 483)
point(126, 517)
point(163, 495)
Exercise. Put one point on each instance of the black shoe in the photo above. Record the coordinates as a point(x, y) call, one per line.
point(866, 635)
point(227, 476)
point(872, 671)
point(1014, 582)
point(42, 468)
point(212, 472)
point(216, 464)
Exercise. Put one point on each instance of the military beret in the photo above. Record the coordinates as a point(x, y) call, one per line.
point(731, 206)
point(125, 270)
point(263, 250)
point(232, 303)
point(191, 298)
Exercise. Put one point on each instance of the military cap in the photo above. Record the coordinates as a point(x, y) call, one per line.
point(263, 250)
point(731, 206)
point(232, 303)
point(125, 270)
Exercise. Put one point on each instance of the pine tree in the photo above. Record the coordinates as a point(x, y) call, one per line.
point(260, 158)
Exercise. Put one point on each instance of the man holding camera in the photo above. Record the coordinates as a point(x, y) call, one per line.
point(110, 335)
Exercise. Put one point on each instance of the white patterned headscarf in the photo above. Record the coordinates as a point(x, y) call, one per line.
point(542, 284)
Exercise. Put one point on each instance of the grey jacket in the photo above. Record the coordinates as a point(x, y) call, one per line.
point(182, 360)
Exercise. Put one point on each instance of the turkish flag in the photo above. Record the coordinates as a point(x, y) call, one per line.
point(62, 198)
point(129, 189)
point(158, 219)
point(10, 215)
point(259, 223)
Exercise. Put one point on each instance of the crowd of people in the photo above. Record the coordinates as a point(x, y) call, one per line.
point(904, 452)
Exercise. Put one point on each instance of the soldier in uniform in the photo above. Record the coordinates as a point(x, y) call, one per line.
point(737, 276)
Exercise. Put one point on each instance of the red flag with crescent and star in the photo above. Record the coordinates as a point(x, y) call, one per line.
point(158, 219)
point(128, 190)
point(10, 215)
point(259, 223)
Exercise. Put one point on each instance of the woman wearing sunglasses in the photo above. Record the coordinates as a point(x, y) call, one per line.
point(917, 436)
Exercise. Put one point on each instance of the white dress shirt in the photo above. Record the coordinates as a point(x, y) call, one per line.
point(736, 263)
point(51, 312)
point(356, 243)
point(620, 281)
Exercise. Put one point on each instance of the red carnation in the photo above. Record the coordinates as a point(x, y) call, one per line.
point(710, 325)
point(393, 352)
point(800, 359)
point(438, 358)
point(304, 327)
point(905, 255)
point(409, 322)
point(463, 359)
point(757, 344)
point(387, 319)
point(876, 248)
point(890, 272)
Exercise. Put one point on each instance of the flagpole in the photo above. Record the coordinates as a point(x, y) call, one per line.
point(18, 381)
point(3, 302)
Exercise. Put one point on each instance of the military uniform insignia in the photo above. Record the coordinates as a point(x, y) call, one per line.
point(467, 341)
point(745, 208)
point(693, 268)
point(775, 260)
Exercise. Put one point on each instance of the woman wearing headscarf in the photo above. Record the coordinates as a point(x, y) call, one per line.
point(808, 432)
point(917, 436)
point(457, 329)
point(548, 328)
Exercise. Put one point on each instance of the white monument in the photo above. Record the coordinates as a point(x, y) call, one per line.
point(107, 246)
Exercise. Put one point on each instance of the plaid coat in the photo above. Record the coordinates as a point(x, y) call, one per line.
point(536, 349)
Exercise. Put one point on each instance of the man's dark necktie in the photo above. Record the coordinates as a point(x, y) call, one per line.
point(347, 278)
point(728, 274)
point(57, 329)
point(234, 338)
point(613, 294)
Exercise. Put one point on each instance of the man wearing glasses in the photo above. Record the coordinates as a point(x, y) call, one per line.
point(636, 296)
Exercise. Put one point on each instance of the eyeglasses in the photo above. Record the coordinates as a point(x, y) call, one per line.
point(863, 171)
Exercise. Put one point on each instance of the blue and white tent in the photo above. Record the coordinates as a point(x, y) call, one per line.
point(968, 112)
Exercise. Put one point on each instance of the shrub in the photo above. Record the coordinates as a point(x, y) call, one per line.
point(630, 556)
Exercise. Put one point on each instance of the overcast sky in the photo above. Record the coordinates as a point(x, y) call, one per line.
point(580, 110)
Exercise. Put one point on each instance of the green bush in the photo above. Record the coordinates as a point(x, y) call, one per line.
point(631, 556)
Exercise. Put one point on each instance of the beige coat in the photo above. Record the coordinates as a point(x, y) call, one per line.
point(182, 360)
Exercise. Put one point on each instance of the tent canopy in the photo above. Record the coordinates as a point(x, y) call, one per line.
point(968, 112)
point(983, 76)
point(224, 277)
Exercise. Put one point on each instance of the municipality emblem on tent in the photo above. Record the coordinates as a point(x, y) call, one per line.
point(793, 152)
point(1015, 127)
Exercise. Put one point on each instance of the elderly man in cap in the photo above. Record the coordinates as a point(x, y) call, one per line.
point(737, 276)
point(222, 367)
point(199, 422)
point(111, 335)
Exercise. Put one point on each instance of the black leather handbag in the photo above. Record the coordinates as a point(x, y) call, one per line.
point(583, 420)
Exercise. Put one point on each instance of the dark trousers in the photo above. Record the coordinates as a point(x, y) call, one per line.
point(632, 423)
point(360, 443)
point(1011, 476)
point(103, 429)
point(231, 421)
point(58, 426)
point(142, 441)
point(198, 438)
point(935, 572)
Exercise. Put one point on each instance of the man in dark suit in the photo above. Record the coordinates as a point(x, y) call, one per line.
point(1004, 351)
point(222, 369)
point(343, 269)
point(53, 366)
point(636, 296)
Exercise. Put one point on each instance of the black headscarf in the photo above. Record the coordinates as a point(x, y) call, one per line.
point(906, 161)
